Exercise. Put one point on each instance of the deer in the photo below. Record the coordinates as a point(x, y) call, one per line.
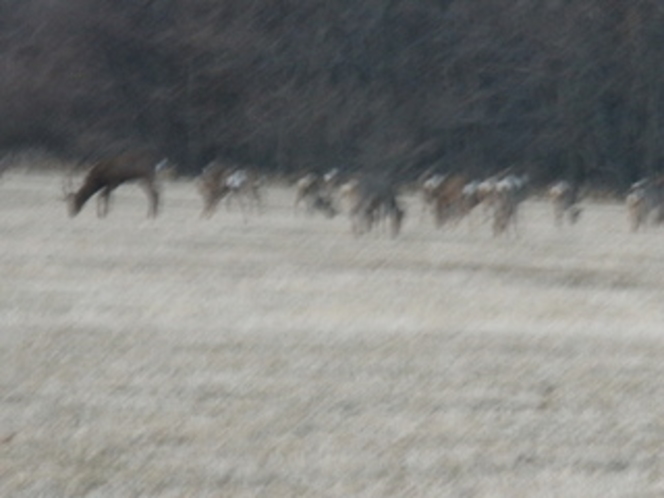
point(429, 182)
point(507, 196)
point(107, 174)
point(217, 182)
point(211, 184)
point(306, 188)
point(443, 194)
point(564, 198)
point(485, 190)
point(244, 186)
point(370, 202)
point(644, 197)
point(316, 193)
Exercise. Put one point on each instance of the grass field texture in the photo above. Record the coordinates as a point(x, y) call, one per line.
point(283, 357)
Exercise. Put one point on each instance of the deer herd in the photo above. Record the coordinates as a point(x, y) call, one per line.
point(370, 202)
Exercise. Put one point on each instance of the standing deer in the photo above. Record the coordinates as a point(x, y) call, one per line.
point(644, 197)
point(445, 196)
point(305, 189)
point(212, 186)
point(564, 198)
point(508, 194)
point(245, 187)
point(429, 182)
point(108, 174)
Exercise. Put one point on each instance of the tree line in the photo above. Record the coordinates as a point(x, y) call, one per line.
point(554, 88)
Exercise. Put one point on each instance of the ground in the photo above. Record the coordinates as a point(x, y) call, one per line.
point(283, 357)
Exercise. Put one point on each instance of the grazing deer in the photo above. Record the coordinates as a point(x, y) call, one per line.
point(316, 193)
point(564, 198)
point(428, 184)
point(486, 189)
point(108, 174)
point(473, 194)
point(244, 186)
point(217, 182)
point(372, 201)
point(643, 198)
point(508, 194)
point(305, 189)
point(444, 196)
point(332, 179)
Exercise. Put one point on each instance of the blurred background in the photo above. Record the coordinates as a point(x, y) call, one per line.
point(553, 88)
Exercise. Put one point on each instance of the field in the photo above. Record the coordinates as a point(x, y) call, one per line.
point(282, 357)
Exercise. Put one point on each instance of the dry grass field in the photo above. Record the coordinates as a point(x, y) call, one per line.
point(282, 357)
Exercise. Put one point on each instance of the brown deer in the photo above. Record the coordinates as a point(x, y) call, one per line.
point(508, 194)
point(564, 198)
point(371, 201)
point(316, 193)
point(447, 199)
point(306, 188)
point(108, 174)
point(643, 198)
point(427, 184)
point(244, 186)
point(218, 181)
point(212, 186)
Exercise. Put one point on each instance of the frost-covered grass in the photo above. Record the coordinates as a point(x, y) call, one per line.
point(283, 357)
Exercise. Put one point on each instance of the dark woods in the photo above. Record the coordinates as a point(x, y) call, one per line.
point(557, 89)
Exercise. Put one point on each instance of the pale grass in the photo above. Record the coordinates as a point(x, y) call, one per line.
point(283, 357)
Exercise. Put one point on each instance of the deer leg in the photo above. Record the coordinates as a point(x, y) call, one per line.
point(229, 198)
point(103, 201)
point(356, 221)
point(243, 205)
point(153, 198)
point(558, 214)
point(211, 203)
point(426, 207)
point(154, 202)
point(396, 219)
point(439, 213)
point(359, 223)
point(296, 204)
point(257, 200)
point(215, 196)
